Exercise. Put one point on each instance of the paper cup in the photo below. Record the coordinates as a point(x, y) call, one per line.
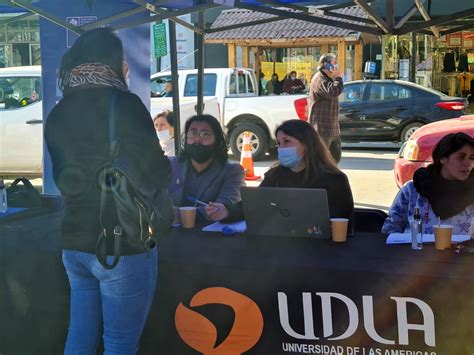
point(339, 229)
point(443, 234)
point(188, 216)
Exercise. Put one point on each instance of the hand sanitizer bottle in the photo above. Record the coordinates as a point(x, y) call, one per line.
point(416, 231)
point(3, 197)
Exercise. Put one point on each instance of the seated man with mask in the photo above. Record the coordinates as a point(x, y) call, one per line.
point(202, 171)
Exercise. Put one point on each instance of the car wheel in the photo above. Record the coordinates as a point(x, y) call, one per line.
point(409, 130)
point(258, 140)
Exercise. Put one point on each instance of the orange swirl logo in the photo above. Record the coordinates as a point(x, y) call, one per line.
point(201, 334)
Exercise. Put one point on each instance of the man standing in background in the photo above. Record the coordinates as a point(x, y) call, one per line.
point(326, 86)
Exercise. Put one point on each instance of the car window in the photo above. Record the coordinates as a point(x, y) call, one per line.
point(249, 85)
point(353, 93)
point(389, 92)
point(158, 86)
point(241, 82)
point(190, 87)
point(18, 92)
point(232, 86)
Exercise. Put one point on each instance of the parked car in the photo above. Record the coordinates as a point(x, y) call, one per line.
point(392, 110)
point(241, 109)
point(21, 121)
point(416, 152)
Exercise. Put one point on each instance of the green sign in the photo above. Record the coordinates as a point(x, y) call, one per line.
point(159, 38)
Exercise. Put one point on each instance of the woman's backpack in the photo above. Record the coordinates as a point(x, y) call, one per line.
point(144, 210)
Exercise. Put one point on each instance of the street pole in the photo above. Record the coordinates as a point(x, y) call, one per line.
point(200, 66)
point(174, 83)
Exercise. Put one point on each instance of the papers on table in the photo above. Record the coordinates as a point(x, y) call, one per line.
point(239, 227)
point(405, 238)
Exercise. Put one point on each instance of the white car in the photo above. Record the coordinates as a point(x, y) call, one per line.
point(21, 121)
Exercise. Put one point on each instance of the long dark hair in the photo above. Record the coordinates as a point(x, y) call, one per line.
point(99, 45)
point(220, 144)
point(317, 156)
point(448, 145)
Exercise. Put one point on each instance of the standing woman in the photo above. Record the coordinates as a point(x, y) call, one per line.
point(114, 303)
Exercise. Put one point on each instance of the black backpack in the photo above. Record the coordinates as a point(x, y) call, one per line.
point(144, 211)
point(24, 195)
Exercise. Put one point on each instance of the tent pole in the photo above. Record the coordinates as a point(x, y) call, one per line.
point(200, 66)
point(174, 83)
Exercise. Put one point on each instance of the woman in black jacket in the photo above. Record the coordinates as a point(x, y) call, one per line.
point(304, 162)
point(114, 302)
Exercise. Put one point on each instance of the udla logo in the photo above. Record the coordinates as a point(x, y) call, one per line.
point(201, 334)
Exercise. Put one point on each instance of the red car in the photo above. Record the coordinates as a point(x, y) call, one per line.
point(416, 152)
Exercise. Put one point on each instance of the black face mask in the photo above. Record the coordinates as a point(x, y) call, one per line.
point(200, 153)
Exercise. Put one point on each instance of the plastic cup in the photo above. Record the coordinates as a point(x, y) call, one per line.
point(176, 217)
point(443, 234)
point(339, 229)
point(188, 216)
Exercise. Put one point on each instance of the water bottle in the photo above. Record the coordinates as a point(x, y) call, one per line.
point(3, 197)
point(416, 231)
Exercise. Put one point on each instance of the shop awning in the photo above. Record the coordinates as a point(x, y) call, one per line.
point(274, 28)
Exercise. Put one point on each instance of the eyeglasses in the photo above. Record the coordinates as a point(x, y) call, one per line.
point(204, 135)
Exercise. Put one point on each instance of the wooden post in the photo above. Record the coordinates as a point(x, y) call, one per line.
point(245, 57)
point(341, 56)
point(358, 61)
point(324, 48)
point(232, 57)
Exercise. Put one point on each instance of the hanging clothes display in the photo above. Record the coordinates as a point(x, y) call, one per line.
point(449, 64)
point(463, 65)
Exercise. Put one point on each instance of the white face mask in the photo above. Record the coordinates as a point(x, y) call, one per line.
point(164, 136)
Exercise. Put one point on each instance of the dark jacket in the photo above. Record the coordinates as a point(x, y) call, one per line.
point(77, 137)
point(220, 183)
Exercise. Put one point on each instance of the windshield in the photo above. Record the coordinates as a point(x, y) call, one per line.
point(16, 91)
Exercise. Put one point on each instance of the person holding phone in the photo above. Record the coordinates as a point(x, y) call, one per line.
point(325, 88)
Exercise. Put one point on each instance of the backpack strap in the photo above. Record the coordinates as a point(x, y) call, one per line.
point(107, 181)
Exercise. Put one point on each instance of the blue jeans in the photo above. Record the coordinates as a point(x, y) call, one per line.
point(114, 302)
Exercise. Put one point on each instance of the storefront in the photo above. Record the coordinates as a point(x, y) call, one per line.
point(443, 63)
point(19, 40)
point(286, 45)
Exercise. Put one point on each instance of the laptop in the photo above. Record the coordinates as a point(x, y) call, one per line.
point(286, 212)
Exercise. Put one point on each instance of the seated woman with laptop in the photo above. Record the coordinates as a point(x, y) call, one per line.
point(202, 172)
point(304, 162)
point(442, 192)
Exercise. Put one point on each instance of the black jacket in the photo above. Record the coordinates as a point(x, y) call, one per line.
point(76, 134)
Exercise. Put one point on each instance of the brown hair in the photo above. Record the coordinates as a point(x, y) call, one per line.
point(448, 145)
point(317, 156)
point(166, 114)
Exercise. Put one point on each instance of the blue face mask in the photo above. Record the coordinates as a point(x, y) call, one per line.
point(289, 157)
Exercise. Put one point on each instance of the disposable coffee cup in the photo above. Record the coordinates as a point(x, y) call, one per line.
point(443, 234)
point(188, 216)
point(339, 229)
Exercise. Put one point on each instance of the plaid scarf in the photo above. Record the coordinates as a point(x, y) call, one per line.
point(93, 74)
